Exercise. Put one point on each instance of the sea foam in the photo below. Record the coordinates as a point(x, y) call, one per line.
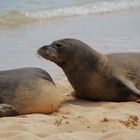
point(84, 9)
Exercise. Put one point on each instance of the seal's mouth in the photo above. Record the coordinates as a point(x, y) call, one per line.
point(48, 53)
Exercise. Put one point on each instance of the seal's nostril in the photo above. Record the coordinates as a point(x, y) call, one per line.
point(44, 48)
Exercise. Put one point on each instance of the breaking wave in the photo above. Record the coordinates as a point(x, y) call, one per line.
point(98, 7)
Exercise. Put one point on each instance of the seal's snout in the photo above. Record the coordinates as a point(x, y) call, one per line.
point(48, 52)
point(43, 50)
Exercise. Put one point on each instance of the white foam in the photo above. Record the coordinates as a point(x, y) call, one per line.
point(85, 9)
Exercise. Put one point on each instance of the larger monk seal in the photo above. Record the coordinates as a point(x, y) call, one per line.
point(94, 76)
point(27, 90)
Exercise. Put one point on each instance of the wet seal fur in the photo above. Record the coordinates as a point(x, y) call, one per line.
point(95, 76)
point(27, 90)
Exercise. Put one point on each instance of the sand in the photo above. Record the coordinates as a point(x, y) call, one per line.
point(76, 120)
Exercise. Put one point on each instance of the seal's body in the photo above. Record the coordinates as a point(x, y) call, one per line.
point(94, 76)
point(27, 90)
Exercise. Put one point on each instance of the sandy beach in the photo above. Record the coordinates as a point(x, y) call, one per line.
point(76, 120)
point(112, 31)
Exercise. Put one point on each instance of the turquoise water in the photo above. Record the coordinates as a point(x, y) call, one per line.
point(25, 25)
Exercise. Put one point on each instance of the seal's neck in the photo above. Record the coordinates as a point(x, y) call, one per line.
point(81, 65)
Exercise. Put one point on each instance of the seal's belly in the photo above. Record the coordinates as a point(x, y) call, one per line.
point(101, 89)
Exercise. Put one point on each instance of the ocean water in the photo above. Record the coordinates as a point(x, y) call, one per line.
point(25, 25)
point(16, 12)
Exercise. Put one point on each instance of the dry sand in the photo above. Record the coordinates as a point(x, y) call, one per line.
point(76, 120)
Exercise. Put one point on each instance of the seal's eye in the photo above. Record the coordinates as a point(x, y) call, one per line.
point(58, 45)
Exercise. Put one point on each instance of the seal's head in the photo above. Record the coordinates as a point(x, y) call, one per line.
point(63, 51)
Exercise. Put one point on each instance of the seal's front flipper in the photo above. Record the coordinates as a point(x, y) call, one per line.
point(7, 110)
point(127, 85)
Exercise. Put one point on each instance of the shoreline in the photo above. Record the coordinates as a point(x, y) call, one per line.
point(106, 33)
point(116, 32)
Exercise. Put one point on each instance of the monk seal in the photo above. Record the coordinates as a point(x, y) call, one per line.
point(96, 76)
point(27, 90)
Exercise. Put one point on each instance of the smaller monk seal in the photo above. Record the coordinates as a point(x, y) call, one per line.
point(27, 90)
point(95, 76)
